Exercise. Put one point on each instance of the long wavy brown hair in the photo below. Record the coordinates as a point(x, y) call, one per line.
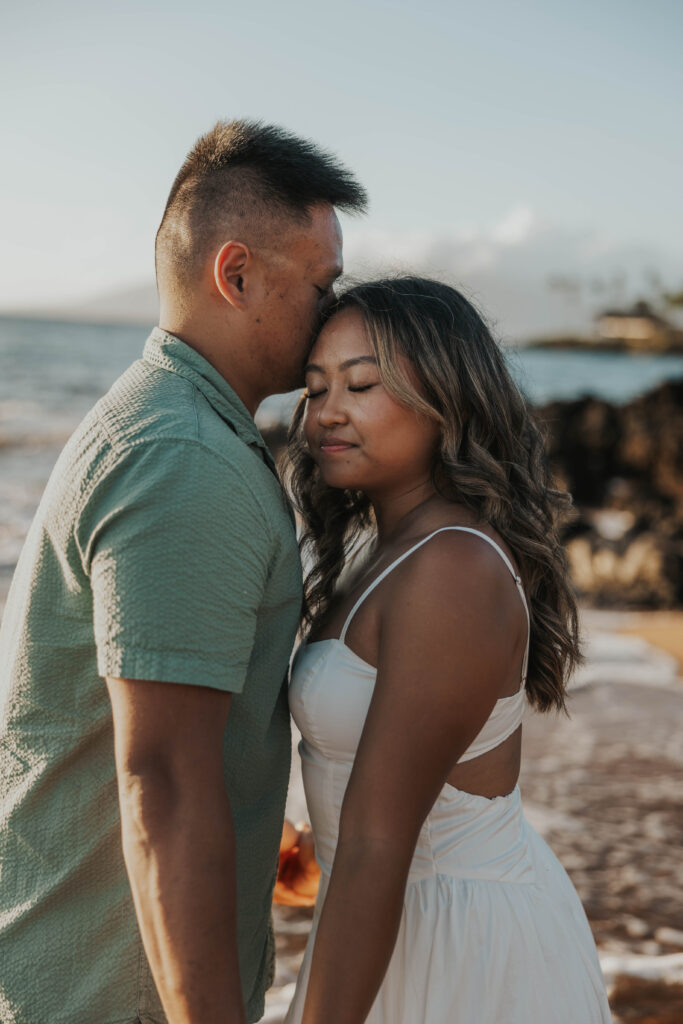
point(491, 460)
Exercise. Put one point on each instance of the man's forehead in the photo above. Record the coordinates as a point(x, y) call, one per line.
point(317, 241)
point(323, 225)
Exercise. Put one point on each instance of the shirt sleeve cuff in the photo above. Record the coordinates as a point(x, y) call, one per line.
point(196, 668)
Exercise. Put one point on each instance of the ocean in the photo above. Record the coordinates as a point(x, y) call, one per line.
point(51, 373)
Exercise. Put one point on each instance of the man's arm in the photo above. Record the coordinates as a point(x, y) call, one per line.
point(178, 843)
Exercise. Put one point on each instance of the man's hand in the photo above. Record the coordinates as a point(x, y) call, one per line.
point(299, 875)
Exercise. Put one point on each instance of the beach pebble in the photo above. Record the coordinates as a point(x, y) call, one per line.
point(669, 936)
point(636, 927)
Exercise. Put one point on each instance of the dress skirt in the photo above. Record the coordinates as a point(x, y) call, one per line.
point(492, 930)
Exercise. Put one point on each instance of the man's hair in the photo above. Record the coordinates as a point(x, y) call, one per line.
point(250, 172)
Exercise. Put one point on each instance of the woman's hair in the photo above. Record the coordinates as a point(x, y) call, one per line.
point(491, 460)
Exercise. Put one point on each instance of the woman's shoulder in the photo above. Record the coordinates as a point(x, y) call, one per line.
point(457, 567)
point(466, 547)
point(456, 603)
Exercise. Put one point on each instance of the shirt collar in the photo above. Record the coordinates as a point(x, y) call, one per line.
point(170, 353)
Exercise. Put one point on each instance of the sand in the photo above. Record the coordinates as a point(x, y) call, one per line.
point(663, 630)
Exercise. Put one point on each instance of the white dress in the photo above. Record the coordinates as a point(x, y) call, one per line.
point(492, 929)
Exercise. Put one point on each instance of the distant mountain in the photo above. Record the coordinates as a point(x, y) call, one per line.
point(135, 305)
point(139, 304)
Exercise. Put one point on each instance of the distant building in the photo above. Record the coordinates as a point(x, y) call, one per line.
point(637, 327)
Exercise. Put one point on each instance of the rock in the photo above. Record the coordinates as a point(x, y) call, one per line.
point(640, 570)
point(624, 467)
point(634, 451)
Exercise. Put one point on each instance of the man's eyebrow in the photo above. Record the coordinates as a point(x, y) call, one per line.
point(342, 366)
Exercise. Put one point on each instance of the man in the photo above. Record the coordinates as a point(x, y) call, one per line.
point(163, 560)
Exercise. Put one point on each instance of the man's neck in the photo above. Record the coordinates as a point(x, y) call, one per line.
point(219, 352)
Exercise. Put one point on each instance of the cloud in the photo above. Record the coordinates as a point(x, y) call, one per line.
point(530, 276)
point(515, 228)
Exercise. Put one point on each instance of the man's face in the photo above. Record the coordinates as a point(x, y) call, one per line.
point(298, 280)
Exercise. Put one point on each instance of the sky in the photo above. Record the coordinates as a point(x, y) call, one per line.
point(530, 151)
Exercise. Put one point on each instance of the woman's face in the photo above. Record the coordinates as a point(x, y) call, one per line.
point(358, 434)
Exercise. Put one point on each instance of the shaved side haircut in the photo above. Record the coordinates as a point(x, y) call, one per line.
point(249, 179)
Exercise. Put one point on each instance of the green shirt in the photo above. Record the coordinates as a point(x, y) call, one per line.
point(163, 548)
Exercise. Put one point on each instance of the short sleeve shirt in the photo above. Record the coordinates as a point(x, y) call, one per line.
point(163, 549)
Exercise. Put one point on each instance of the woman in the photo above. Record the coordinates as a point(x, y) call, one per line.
point(438, 903)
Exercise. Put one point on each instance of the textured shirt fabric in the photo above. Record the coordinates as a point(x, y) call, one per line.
point(163, 549)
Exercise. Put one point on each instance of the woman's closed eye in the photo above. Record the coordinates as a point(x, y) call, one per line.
point(312, 393)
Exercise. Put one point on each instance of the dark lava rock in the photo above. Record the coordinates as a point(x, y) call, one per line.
point(624, 467)
point(592, 443)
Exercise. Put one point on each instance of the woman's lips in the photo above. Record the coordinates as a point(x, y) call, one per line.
point(335, 445)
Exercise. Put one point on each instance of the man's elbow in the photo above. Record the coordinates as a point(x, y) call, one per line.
point(150, 801)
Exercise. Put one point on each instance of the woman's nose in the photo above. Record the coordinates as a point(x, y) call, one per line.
point(331, 410)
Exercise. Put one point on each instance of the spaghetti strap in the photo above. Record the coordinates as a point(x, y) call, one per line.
point(406, 554)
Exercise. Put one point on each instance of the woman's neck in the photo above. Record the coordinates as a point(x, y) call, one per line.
point(397, 515)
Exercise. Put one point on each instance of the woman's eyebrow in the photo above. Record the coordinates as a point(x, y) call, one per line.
point(342, 366)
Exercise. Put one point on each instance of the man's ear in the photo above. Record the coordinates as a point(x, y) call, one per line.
point(229, 272)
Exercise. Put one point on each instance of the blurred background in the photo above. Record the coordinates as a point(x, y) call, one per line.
point(528, 153)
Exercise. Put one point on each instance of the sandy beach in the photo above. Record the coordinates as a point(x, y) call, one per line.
point(661, 629)
point(603, 786)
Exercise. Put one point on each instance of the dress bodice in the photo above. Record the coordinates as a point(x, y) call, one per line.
point(329, 697)
point(332, 686)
